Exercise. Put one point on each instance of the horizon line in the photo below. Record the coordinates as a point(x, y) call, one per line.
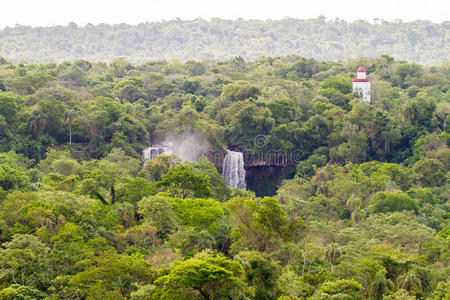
point(374, 21)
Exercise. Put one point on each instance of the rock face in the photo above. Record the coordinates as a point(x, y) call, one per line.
point(265, 180)
point(233, 170)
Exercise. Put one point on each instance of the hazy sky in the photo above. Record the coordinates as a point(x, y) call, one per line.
point(60, 12)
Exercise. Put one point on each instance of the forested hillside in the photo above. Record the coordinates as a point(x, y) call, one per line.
point(419, 41)
point(83, 216)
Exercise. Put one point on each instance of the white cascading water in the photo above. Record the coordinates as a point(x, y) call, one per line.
point(151, 152)
point(233, 170)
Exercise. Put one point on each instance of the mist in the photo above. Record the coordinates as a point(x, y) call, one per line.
point(189, 147)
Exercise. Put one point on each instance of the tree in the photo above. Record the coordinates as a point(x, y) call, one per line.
point(283, 111)
point(332, 254)
point(372, 277)
point(38, 121)
point(384, 202)
point(9, 106)
point(155, 168)
point(128, 162)
point(401, 294)
point(12, 178)
point(219, 187)
point(293, 286)
point(181, 181)
point(65, 166)
point(354, 150)
point(94, 120)
point(143, 293)
point(202, 240)
point(188, 115)
point(261, 226)
point(441, 115)
point(139, 237)
point(380, 285)
point(76, 75)
point(202, 277)
point(198, 213)
point(419, 111)
point(17, 291)
point(404, 71)
point(245, 121)
point(157, 211)
point(195, 68)
point(353, 204)
point(306, 168)
point(24, 261)
point(111, 276)
point(190, 86)
point(338, 83)
point(341, 289)
point(261, 274)
point(241, 90)
point(410, 282)
point(130, 89)
point(429, 172)
point(440, 292)
point(134, 190)
point(399, 229)
point(69, 116)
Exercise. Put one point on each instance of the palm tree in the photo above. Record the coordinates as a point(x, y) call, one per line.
point(441, 114)
point(187, 116)
point(380, 285)
point(317, 121)
point(138, 110)
point(410, 281)
point(353, 204)
point(221, 102)
point(332, 253)
point(126, 212)
point(94, 119)
point(410, 112)
point(69, 115)
point(38, 121)
point(202, 240)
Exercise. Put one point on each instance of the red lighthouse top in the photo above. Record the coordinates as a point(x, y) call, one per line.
point(361, 75)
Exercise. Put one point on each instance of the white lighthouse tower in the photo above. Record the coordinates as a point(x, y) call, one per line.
point(361, 85)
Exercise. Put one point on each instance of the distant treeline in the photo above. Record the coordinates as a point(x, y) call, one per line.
point(419, 41)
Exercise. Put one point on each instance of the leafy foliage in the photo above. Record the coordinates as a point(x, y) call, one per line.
point(84, 216)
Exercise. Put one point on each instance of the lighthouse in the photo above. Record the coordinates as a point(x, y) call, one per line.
point(361, 85)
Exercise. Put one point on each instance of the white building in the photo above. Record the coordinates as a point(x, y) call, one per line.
point(361, 85)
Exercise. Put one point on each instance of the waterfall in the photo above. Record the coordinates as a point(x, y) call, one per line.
point(233, 169)
point(151, 152)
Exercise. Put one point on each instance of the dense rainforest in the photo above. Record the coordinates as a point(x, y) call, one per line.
point(419, 41)
point(364, 214)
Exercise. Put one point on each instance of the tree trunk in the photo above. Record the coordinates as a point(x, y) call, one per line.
point(304, 265)
point(113, 194)
point(205, 295)
point(70, 131)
